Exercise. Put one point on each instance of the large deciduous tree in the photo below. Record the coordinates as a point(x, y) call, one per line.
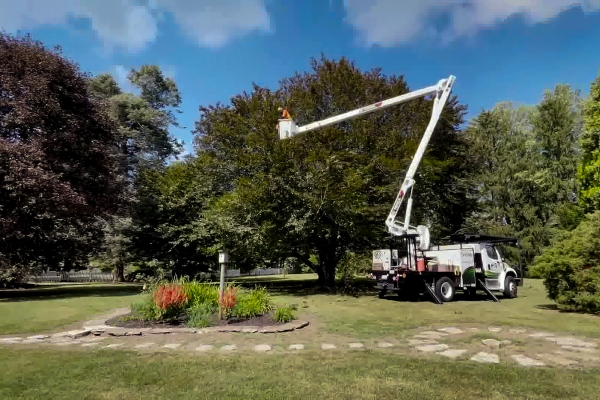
point(327, 192)
point(58, 173)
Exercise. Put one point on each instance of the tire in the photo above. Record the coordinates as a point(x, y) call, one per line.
point(510, 288)
point(382, 293)
point(445, 289)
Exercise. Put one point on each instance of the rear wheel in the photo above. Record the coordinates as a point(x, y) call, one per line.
point(445, 289)
point(382, 293)
point(510, 287)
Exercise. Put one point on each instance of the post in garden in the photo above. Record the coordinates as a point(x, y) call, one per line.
point(223, 261)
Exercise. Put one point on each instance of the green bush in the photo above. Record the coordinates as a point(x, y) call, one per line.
point(571, 267)
point(201, 315)
point(284, 314)
point(147, 309)
point(252, 303)
point(200, 293)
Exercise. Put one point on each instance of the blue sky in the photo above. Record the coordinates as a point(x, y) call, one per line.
point(498, 49)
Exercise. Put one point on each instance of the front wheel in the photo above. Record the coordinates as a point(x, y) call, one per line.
point(510, 287)
point(445, 289)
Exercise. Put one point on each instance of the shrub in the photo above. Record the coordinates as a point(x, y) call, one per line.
point(170, 300)
point(284, 314)
point(571, 267)
point(147, 309)
point(252, 304)
point(201, 315)
point(200, 293)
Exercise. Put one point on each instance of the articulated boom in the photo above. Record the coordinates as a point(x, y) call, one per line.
point(288, 128)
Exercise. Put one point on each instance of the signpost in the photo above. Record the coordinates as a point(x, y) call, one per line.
point(223, 261)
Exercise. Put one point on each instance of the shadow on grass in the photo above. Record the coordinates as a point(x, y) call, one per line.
point(424, 298)
point(300, 288)
point(62, 292)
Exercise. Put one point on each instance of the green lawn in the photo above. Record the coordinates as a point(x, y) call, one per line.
point(356, 375)
point(368, 316)
point(51, 307)
point(77, 373)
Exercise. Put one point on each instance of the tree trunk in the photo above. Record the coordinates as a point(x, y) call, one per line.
point(326, 276)
point(120, 271)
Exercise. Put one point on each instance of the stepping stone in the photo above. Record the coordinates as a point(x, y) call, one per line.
point(92, 344)
point(556, 359)
point(262, 348)
point(327, 346)
point(517, 330)
point(384, 345)
point(451, 330)
point(430, 335)
point(453, 353)
point(571, 341)
point(228, 347)
point(204, 347)
point(114, 345)
point(491, 343)
point(356, 345)
point(578, 355)
point(76, 334)
point(296, 347)
point(38, 337)
point(431, 348)
point(525, 361)
point(486, 358)
point(581, 349)
point(473, 329)
point(143, 345)
point(418, 342)
point(30, 341)
point(11, 340)
point(172, 345)
point(541, 334)
point(494, 329)
point(65, 343)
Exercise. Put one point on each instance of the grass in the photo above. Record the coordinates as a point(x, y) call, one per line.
point(66, 373)
point(355, 375)
point(367, 316)
point(48, 308)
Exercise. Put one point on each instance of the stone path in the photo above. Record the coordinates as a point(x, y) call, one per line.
point(487, 345)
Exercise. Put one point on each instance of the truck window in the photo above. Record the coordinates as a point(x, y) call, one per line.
point(491, 252)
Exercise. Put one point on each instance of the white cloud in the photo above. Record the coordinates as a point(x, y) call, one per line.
point(392, 22)
point(132, 25)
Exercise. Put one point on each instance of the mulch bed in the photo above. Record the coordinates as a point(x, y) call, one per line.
point(122, 321)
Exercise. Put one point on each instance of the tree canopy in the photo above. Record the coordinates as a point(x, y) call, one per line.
point(58, 173)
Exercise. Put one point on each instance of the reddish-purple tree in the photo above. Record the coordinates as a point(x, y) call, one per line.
point(59, 171)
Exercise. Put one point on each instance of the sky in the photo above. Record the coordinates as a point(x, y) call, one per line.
point(499, 50)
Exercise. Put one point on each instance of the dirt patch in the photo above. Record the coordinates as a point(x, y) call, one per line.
point(130, 321)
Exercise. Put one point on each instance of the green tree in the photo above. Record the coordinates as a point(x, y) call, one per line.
point(144, 141)
point(526, 157)
point(58, 174)
point(571, 267)
point(589, 169)
point(326, 192)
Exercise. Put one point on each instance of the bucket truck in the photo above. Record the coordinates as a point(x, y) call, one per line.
point(415, 265)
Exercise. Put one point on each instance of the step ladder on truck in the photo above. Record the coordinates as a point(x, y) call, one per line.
point(413, 264)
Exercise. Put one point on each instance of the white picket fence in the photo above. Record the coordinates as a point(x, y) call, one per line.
point(74, 276)
point(97, 276)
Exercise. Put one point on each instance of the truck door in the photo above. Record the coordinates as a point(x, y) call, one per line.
point(492, 267)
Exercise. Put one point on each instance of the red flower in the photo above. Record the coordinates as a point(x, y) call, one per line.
point(167, 296)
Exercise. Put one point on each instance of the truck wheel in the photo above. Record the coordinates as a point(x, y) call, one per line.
point(445, 289)
point(382, 293)
point(510, 287)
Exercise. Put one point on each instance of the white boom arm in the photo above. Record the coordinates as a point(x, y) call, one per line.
point(288, 129)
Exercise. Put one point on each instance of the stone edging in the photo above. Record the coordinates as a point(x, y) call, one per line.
point(99, 326)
